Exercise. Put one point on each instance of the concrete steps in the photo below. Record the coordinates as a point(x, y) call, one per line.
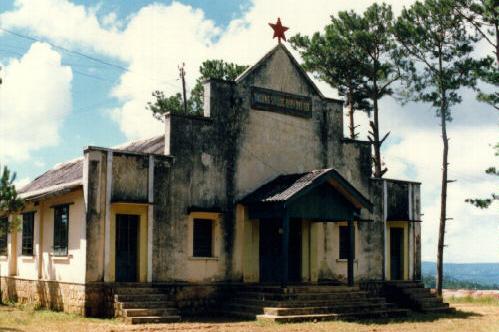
point(306, 303)
point(373, 314)
point(294, 304)
point(300, 296)
point(144, 304)
point(138, 305)
point(300, 289)
point(152, 319)
point(413, 295)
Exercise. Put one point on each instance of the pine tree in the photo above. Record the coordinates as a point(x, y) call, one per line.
point(483, 16)
point(10, 203)
point(358, 55)
point(332, 59)
point(438, 47)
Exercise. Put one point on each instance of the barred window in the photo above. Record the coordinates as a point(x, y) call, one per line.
point(61, 228)
point(203, 238)
point(28, 230)
point(4, 230)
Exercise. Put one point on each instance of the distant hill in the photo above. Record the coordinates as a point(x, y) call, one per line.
point(472, 273)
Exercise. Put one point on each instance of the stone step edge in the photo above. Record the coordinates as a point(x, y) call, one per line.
point(338, 316)
point(294, 304)
point(135, 312)
point(152, 319)
point(327, 307)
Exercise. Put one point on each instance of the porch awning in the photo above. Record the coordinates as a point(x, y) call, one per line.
point(322, 195)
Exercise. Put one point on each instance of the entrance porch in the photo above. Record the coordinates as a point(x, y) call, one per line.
point(287, 213)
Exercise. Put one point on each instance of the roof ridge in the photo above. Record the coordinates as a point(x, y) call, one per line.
point(127, 143)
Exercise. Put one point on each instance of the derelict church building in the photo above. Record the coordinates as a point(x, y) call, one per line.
point(261, 189)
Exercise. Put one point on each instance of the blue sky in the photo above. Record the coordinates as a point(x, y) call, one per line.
point(54, 102)
point(92, 82)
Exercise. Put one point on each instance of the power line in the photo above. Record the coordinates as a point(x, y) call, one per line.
point(89, 57)
point(65, 49)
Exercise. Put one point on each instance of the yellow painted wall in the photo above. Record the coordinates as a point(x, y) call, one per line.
point(198, 269)
point(27, 266)
point(134, 209)
point(340, 266)
point(70, 268)
point(305, 250)
point(404, 225)
point(8, 266)
point(251, 254)
point(314, 251)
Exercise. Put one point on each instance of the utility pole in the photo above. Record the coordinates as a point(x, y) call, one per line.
point(182, 77)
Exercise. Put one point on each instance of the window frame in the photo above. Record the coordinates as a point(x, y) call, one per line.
point(344, 242)
point(196, 251)
point(28, 237)
point(4, 236)
point(61, 237)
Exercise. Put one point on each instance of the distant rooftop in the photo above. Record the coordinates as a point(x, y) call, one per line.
point(68, 175)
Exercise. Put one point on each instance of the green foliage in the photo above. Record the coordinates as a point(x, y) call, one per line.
point(10, 203)
point(164, 104)
point(213, 69)
point(489, 74)
point(438, 46)
point(358, 55)
point(484, 203)
point(376, 40)
point(332, 59)
point(452, 283)
point(210, 69)
point(483, 16)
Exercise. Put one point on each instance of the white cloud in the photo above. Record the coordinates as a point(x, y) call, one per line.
point(35, 97)
point(470, 154)
point(19, 183)
point(156, 39)
point(63, 22)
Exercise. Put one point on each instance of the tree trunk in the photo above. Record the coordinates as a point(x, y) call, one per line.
point(497, 43)
point(184, 95)
point(443, 193)
point(350, 115)
point(376, 143)
point(443, 208)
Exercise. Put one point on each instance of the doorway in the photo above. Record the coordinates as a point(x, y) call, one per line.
point(396, 253)
point(270, 250)
point(127, 233)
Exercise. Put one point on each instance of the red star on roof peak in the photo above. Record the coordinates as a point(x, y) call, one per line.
point(279, 30)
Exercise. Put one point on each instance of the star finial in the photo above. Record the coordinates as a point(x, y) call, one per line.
point(279, 30)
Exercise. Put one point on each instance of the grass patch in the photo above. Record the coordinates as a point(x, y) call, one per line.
point(470, 316)
point(488, 300)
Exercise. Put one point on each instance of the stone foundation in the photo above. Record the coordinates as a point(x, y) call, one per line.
point(59, 296)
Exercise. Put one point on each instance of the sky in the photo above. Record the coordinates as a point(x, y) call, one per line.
point(79, 73)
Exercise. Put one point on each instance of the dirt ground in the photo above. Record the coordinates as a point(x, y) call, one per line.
point(469, 317)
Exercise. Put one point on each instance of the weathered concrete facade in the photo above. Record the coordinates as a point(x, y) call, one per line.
point(272, 121)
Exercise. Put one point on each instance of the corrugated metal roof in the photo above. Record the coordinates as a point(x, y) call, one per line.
point(62, 173)
point(71, 172)
point(154, 145)
point(284, 187)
